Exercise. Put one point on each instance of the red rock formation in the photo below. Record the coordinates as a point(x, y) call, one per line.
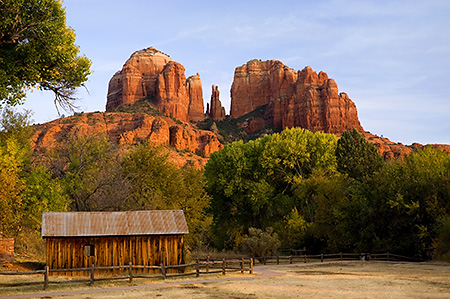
point(130, 128)
point(195, 91)
point(150, 73)
point(171, 94)
point(215, 109)
point(295, 99)
point(137, 79)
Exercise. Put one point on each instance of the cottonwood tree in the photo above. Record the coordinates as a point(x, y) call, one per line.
point(154, 182)
point(88, 168)
point(356, 156)
point(37, 49)
point(252, 184)
point(27, 189)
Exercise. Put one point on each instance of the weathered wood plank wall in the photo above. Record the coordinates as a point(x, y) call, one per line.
point(66, 253)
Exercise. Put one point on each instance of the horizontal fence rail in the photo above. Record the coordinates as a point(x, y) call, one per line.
point(208, 267)
point(334, 257)
point(204, 266)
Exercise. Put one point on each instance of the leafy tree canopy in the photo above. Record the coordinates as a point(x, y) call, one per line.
point(37, 49)
point(252, 184)
point(356, 156)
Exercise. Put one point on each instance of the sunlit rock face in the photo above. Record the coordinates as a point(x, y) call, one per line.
point(294, 98)
point(215, 110)
point(192, 146)
point(152, 74)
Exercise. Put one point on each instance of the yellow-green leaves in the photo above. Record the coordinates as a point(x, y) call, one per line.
point(37, 49)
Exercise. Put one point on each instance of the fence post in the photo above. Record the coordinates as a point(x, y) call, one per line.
point(388, 256)
point(290, 259)
point(207, 264)
point(46, 278)
point(251, 266)
point(305, 258)
point(321, 257)
point(242, 266)
point(197, 269)
point(130, 272)
point(163, 271)
point(91, 280)
point(341, 256)
point(264, 259)
point(223, 266)
point(278, 259)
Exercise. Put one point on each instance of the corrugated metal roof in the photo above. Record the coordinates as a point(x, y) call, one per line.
point(83, 224)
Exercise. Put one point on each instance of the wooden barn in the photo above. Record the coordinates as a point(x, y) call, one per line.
point(146, 238)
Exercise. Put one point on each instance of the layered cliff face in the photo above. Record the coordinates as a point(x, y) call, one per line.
point(152, 74)
point(294, 98)
point(131, 128)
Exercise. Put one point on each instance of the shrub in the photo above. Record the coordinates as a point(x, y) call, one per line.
point(261, 243)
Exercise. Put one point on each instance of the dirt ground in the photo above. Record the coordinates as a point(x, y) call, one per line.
point(320, 280)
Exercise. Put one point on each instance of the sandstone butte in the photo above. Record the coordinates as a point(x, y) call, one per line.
point(291, 99)
point(294, 98)
point(152, 74)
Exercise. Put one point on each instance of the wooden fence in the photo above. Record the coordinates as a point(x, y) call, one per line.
point(206, 266)
point(334, 257)
point(199, 267)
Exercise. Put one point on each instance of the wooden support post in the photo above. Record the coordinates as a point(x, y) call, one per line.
point(321, 257)
point(46, 278)
point(278, 259)
point(223, 266)
point(290, 259)
point(264, 260)
point(197, 269)
point(242, 266)
point(251, 266)
point(130, 272)
point(207, 264)
point(91, 280)
point(163, 271)
point(341, 256)
point(388, 256)
point(305, 258)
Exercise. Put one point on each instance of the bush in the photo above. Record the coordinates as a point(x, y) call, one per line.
point(443, 243)
point(261, 243)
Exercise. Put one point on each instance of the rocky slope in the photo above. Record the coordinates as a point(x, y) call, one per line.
point(185, 143)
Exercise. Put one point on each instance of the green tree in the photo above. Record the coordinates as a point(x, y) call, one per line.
point(154, 182)
point(406, 200)
point(322, 199)
point(27, 188)
point(12, 157)
point(443, 241)
point(252, 184)
point(152, 178)
point(356, 156)
point(89, 171)
point(37, 49)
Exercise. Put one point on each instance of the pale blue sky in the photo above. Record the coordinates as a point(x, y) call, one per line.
point(391, 57)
